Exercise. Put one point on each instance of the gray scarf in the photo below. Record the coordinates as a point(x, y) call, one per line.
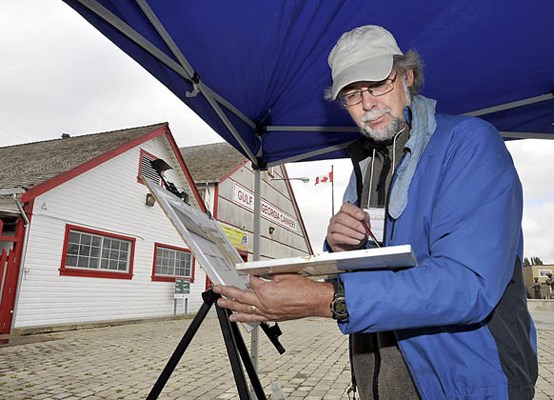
point(423, 127)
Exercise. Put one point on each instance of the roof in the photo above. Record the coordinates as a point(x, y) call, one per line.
point(27, 165)
point(210, 162)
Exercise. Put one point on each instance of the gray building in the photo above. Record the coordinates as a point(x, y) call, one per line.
point(225, 180)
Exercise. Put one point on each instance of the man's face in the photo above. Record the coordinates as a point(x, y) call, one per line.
point(380, 118)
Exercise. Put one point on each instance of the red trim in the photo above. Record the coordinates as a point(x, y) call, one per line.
point(28, 208)
point(185, 169)
point(216, 200)
point(227, 175)
point(7, 302)
point(93, 273)
point(156, 278)
point(8, 238)
point(72, 173)
point(150, 155)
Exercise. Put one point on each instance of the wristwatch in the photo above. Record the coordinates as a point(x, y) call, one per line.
point(338, 305)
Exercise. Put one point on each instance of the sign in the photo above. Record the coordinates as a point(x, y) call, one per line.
point(182, 287)
point(238, 238)
point(244, 197)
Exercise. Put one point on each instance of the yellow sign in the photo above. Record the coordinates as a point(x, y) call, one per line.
point(238, 238)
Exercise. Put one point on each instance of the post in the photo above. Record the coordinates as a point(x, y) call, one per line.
point(332, 192)
point(254, 345)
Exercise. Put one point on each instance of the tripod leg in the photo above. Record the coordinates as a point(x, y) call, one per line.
point(247, 361)
point(231, 345)
point(179, 351)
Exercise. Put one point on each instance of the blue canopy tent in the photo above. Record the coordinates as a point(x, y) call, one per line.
point(255, 71)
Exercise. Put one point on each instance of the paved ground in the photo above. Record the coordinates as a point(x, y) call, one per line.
point(123, 362)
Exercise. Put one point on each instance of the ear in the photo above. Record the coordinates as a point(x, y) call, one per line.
point(409, 77)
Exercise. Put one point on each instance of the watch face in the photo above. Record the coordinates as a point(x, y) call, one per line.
point(339, 308)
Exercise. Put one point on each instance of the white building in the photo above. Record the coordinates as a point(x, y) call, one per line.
point(79, 244)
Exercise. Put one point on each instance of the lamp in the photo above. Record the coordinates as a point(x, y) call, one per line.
point(160, 166)
point(150, 200)
point(301, 178)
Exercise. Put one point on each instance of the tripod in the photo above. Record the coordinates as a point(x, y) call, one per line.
point(234, 344)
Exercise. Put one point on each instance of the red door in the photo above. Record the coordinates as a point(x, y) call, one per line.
point(9, 273)
point(8, 283)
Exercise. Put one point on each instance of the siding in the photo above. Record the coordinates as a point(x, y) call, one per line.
point(107, 198)
point(282, 242)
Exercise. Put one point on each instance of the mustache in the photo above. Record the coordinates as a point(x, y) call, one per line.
point(374, 114)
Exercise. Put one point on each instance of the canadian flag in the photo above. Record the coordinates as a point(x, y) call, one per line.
point(324, 178)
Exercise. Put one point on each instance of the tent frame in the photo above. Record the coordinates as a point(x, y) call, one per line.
point(216, 101)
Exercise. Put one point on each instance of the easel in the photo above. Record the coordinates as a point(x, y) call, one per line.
point(235, 348)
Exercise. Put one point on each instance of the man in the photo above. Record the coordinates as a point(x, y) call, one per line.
point(456, 326)
point(550, 284)
point(537, 294)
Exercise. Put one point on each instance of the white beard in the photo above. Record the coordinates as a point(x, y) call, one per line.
point(386, 132)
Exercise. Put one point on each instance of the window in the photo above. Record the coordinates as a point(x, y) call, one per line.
point(93, 253)
point(171, 262)
point(544, 272)
point(145, 168)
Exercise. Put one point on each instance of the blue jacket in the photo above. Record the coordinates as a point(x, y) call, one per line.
point(460, 316)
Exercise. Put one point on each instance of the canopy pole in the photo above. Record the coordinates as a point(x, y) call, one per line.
point(314, 153)
point(332, 192)
point(181, 70)
point(198, 86)
point(509, 106)
point(254, 335)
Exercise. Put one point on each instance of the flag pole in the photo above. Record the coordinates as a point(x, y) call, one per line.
point(332, 192)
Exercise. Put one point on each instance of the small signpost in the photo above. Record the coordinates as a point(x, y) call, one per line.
point(182, 288)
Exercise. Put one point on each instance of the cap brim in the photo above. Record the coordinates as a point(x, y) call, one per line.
point(373, 70)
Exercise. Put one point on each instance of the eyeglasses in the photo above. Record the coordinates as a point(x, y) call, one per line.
point(353, 97)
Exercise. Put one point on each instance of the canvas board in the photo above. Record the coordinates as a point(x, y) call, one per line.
point(393, 257)
point(203, 235)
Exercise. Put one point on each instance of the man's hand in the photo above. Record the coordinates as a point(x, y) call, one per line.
point(346, 230)
point(285, 297)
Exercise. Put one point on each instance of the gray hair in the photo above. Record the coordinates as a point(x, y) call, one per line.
point(410, 60)
point(401, 63)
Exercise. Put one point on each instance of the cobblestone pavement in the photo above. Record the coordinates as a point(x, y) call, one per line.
point(123, 362)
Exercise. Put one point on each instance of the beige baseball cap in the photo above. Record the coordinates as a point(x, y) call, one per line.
point(362, 54)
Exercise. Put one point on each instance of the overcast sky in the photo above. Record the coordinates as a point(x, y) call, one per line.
point(58, 74)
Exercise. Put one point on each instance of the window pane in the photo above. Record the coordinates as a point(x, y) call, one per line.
point(74, 237)
point(71, 261)
point(82, 262)
point(73, 249)
point(86, 239)
point(93, 263)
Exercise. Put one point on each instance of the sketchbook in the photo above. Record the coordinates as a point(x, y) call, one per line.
point(223, 264)
point(393, 257)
